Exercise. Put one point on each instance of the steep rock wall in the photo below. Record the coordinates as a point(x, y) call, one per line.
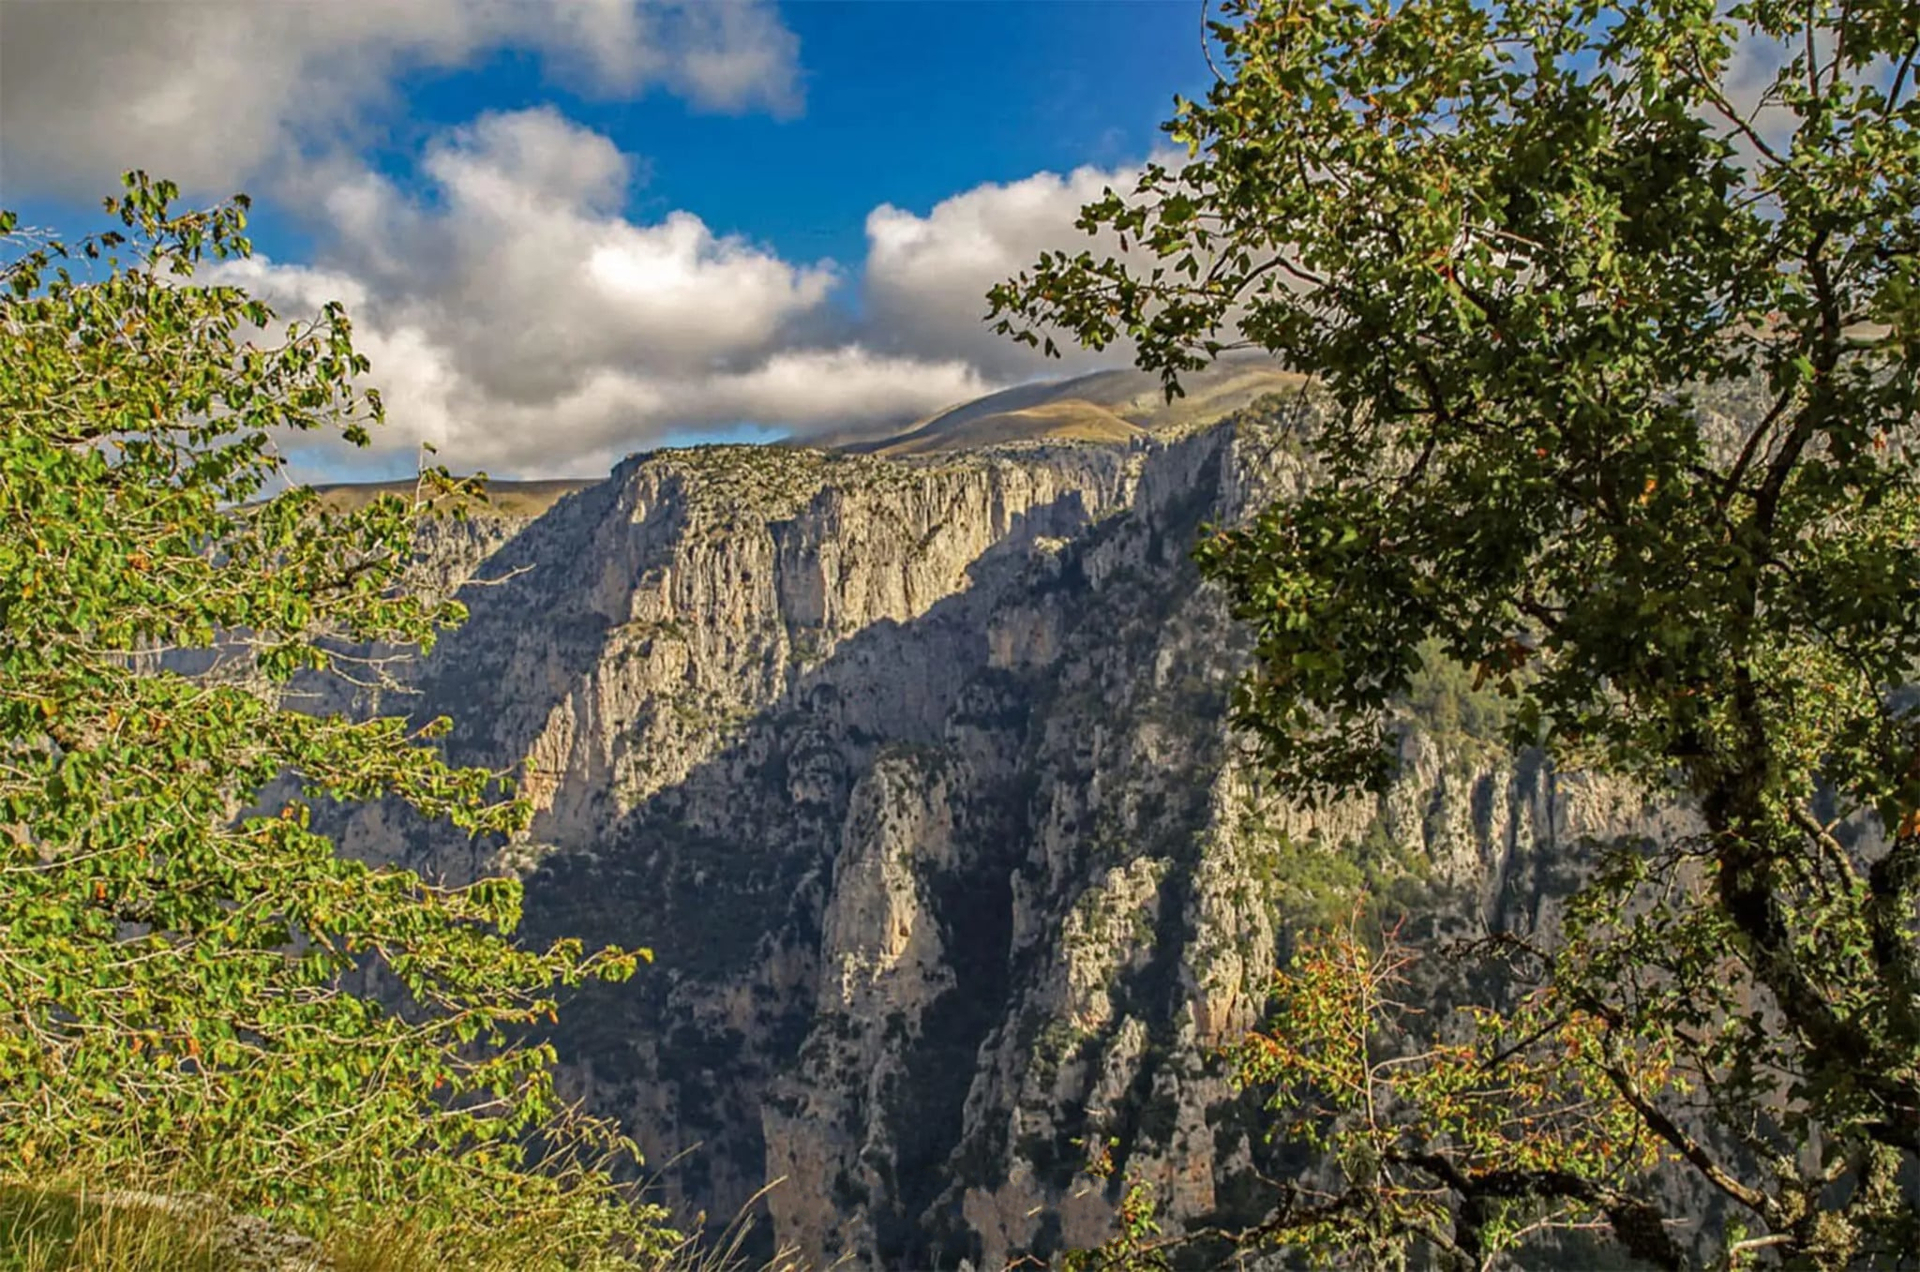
point(916, 776)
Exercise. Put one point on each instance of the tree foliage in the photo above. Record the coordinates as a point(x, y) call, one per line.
point(174, 958)
point(1518, 1109)
point(1622, 339)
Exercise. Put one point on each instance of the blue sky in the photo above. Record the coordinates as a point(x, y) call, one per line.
point(570, 229)
point(907, 102)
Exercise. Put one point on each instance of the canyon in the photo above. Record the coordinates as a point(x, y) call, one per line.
point(911, 760)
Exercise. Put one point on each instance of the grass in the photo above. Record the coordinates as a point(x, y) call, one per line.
point(54, 1230)
point(68, 1228)
point(503, 498)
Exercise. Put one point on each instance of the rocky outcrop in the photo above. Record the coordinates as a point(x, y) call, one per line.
point(240, 1242)
point(916, 776)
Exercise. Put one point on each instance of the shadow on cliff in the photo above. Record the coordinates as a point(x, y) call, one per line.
point(727, 873)
point(535, 609)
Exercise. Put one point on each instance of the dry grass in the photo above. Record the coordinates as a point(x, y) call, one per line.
point(383, 1248)
point(55, 1230)
point(503, 498)
point(724, 1253)
point(58, 1228)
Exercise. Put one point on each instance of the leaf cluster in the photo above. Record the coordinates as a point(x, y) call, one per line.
point(179, 962)
point(1621, 353)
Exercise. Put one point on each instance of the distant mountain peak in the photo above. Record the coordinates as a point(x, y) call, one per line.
point(1103, 406)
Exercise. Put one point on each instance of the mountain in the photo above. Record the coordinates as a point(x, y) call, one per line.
point(911, 763)
point(1105, 406)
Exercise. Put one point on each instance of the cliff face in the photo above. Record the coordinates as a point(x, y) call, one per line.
point(915, 775)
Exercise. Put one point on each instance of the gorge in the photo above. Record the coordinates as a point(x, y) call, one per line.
point(911, 761)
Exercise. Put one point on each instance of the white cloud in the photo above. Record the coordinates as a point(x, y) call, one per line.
point(824, 388)
point(530, 273)
point(515, 315)
point(927, 276)
point(530, 161)
point(740, 54)
point(218, 93)
point(520, 323)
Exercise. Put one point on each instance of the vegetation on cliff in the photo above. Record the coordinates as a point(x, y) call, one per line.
point(178, 963)
point(1530, 248)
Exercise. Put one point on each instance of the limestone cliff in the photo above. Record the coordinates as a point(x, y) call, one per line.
point(915, 774)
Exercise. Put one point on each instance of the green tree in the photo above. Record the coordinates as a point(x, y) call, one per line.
point(174, 958)
point(1621, 346)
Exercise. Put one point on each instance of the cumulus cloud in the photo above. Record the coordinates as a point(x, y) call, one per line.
point(827, 388)
point(220, 92)
point(927, 276)
point(519, 322)
point(516, 315)
point(533, 277)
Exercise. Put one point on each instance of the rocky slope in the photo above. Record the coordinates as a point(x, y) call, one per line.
point(915, 774)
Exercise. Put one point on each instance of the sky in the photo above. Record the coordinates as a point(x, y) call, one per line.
point(567, 230)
